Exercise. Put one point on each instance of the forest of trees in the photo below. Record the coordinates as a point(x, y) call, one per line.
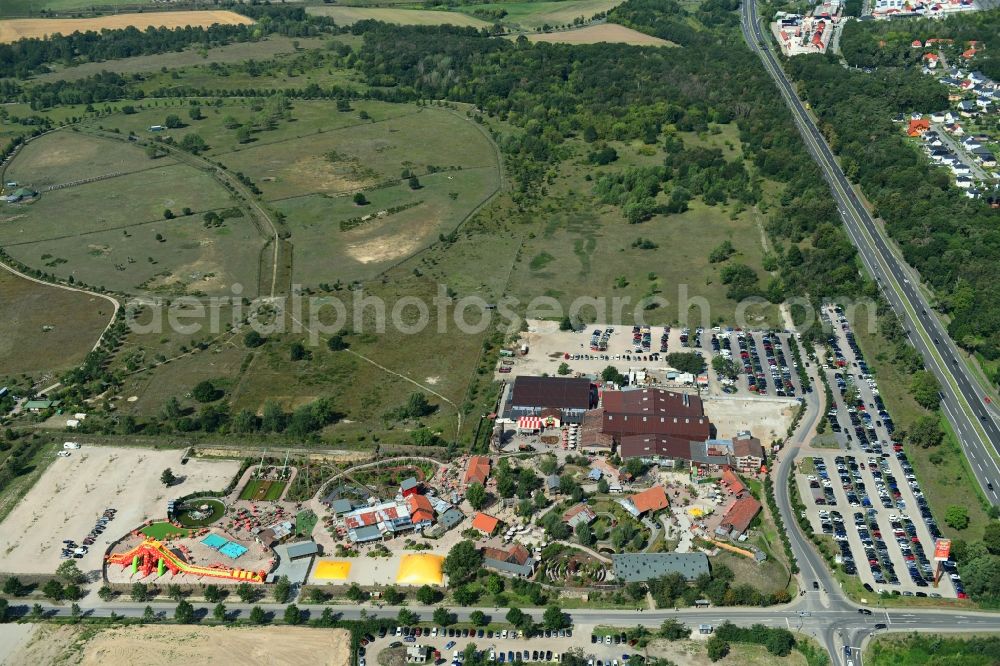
point(952, 240)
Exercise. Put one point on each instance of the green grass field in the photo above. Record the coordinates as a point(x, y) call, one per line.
point(216, 511)
point(533, 15)
point(163, 530)
point(262, 491)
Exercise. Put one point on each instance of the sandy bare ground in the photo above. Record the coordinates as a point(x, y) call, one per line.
point(14, 637)
point(74, 491)
point(15, 29)
point(595, 34)
point(172, 645)
point(766, 418)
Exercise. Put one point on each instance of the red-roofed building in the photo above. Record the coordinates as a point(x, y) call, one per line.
point(917, 44)
point(516, 560)
point(918, 127)
point(581, 513)
point(477, 471)
point(648, 501)
point(421, 511)
point(969, 54)
point(732, 482)
point(485, 523)
point(655, 412)
point(738, 518)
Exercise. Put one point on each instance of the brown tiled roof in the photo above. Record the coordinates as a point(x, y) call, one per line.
point(517, 554)
point(664, 446)
point(655, 412)
point(653, 499)
point(740, 514)
point(653, 401)
point(556, 392)
point(579, 508)
point(749, 446)
point(732, 482)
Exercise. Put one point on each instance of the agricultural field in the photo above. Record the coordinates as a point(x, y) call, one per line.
point(45, 328)
point(351, 15)
point(530, 16)
point(596, 34)
point(14, 29)
point(23, 8)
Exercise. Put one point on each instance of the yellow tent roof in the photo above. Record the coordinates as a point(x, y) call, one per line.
point(332, 570)
point(695, 511)
point(421, 569)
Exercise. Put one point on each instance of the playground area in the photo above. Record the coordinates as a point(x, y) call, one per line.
point(206, 556)
point(265, 483)
point(400, 569)
point(74, 492)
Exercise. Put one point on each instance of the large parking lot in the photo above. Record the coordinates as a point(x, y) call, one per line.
point(505, 646)
point(865, 494)
point(764, 361)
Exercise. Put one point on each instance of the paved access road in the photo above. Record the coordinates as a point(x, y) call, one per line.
point(964, 401)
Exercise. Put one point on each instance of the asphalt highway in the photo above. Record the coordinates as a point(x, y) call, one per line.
point(964, 401)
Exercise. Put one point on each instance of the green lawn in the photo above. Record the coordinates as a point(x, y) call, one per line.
point(532, 15)
point(217, 509)
point(260, 490)
point(164, 530)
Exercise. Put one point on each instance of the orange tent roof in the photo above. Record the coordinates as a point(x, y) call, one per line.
point(485, 523)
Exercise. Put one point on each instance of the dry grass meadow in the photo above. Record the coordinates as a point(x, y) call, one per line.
point(15, 29)
point(46, 328)
point(351, 15)
point(595, 34)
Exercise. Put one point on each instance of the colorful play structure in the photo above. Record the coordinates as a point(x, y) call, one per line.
point(152, 555)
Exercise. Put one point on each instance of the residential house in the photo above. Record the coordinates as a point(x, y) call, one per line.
point(552, 485)
point(579, 514)
point(515, 560)
point(648, 501)
point(963, 182)
point(918, 127)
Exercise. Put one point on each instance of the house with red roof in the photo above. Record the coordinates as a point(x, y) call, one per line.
point(477, 471)
point(918, 127)
point(738, 517)
point(648, 501)
point(732, 483)
point(421, 511)
point(485, 523)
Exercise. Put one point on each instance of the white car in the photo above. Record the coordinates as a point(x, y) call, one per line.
point(71, 445)
point(63, 454)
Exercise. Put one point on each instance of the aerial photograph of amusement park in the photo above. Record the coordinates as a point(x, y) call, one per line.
point(465, 333)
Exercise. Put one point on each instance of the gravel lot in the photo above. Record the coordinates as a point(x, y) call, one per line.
point(68, 499)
